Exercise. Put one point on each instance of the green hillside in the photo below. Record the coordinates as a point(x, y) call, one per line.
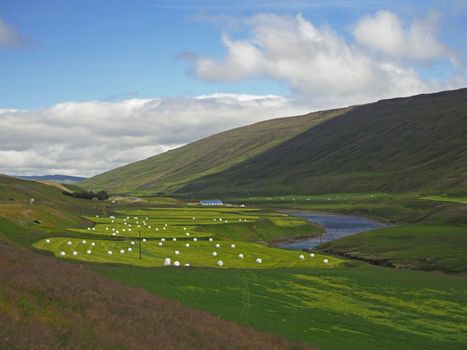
point(171, 170)
point(405, 144)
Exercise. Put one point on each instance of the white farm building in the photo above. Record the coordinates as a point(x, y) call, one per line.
point(211, 202)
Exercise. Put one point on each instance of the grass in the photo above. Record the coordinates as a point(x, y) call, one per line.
point(425, 247)
point(359, 307)
point(197, 254)
point(49, 304)
point(389, 207)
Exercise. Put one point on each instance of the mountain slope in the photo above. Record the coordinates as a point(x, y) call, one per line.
point(403, 144)
point(174, 169)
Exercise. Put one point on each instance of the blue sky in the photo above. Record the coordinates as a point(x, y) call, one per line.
point(87, 86)
point(109, 50)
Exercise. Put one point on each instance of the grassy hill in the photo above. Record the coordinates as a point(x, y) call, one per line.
point(172, 170)
point(404, 144)
point(49, 304)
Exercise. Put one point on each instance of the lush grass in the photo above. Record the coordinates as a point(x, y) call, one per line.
point(224, 223)
point(362, 307)
point(426, 247)
point(391, 207)
point(197, 254)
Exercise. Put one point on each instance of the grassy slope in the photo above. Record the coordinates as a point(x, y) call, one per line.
point(425, 247)
point(48, 304)
point(360, 307)
point(171, 170)
point(404, 144)
point(387, 207)
point(52, 210)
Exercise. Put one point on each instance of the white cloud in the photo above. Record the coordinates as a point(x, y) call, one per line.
point(8, 36)
point(385, 32)
point(90, 137)
point(321, 66)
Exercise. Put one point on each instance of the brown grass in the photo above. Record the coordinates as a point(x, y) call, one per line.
point(50, 304)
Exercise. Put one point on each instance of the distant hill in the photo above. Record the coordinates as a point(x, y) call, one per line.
point(64, 179)
point(416, 143)
point(172, 170)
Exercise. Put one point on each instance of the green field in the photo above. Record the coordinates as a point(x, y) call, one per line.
point(398, 208)
point(358, 307)
point(425, 247)
point(199, 253)
point(167, 230)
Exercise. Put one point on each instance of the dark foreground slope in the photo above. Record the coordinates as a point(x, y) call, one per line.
point(417, 143)
point(174, 169)
point(49, 304)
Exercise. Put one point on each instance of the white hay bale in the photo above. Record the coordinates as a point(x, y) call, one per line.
point(195, 239)
point(187, 245)
point(122, 251)
point(93, 244)
point(218, 245)
point(177, 252)
point(176, 263)
point(84, 241)
point(210, 239)
point(149, 226)
point(187, 265)
point(157, 229)
point(301, 257)
point(75, 253)
point(162, 239)
point(97, 216)
point(174, 239)
point(160, 244)
point(130, 249)
point(184, 229)
point(89, 229)
point(167, 262)
point(312, 255)
point(88, 252)
point(113, 233)
point(187, 234)
point(62, 253)
point(220, 263)
point(132, 242)
point(241, 256)
point(259, 261)
point(214, 253)
point(106, 228)
point(194, 218)
point(69, 243)
point(94, 229)
point(325, 261)
point(109, 252)
point(47, 240)
point(144, 240)
point(232, 246)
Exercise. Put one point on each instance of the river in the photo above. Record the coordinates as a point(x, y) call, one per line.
point(335, 225)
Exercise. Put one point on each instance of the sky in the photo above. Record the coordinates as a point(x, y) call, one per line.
point(87, 86)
